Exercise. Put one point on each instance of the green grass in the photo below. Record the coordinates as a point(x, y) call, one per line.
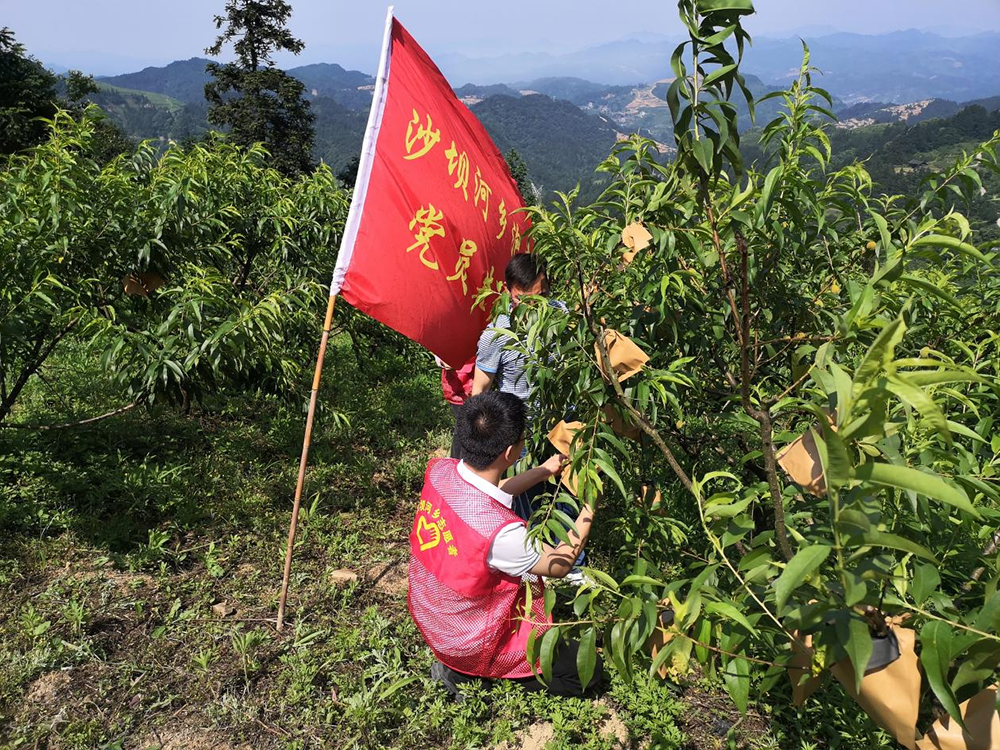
point(116, 541)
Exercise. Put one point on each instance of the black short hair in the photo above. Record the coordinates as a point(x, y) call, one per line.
point(523, 271)
point(487, 425)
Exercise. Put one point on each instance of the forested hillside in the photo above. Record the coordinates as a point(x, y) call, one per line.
point(561, 148)
point(561, 144)
point(900, 157)
point(144, 115)
point(183, 80)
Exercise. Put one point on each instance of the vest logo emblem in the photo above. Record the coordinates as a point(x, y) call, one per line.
point(428, 534)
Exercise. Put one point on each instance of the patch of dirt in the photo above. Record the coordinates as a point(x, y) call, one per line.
point(187, 738)
point(49, 690)
point(390, 578)
point(535, 737)
point(710, 717)
point(119, 578)
point(613, 726)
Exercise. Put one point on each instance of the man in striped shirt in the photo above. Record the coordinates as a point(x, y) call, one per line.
point(502, 367)
point(496, 365)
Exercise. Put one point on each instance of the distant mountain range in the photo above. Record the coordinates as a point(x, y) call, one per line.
point(897, 67)
point(565, 124)
point(185, 81)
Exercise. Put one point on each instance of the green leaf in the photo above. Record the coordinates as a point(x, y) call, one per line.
point(767, 192)
point(935, 657)
point(905, 478)
point(608, 469)
point(718, 73)
point(925, 580)
point(922, 402)
point(398, 685)
point(736, 678)
point(796, 570)
point(883, 230)
point(952, 243)
point(550, 600)
point(925, 286)
point(961, 429)
point(856, 589)
point(978, 665)
point(661, 657)
point(989, 616)
point(586, 656)
point(635, 580)
point(894, 541)
point(704, 152)
point(548, 651)
point(728, 610)
point(856, 639)
point(935, 377)
point(833, 455)
point(720, 36)
point(602, 578)
point(711, 6)
point(531, 650)
point(618, 650)
point(879, 353)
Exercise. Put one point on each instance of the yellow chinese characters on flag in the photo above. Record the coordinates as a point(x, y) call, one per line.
point(435, 210)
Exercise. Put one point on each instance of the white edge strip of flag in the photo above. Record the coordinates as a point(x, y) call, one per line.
point(366, 161)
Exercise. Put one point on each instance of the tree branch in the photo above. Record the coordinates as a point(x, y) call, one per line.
point(37, 358)
point(639, 417)
point(68, 425)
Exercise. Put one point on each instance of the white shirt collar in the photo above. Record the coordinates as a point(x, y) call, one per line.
point(483, 486)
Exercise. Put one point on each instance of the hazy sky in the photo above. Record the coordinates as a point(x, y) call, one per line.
point(114, 36)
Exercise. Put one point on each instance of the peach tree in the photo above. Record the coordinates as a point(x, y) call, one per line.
point(187, 271)
point(775, 300)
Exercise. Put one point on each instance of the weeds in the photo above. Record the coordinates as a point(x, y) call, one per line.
point(105, 613)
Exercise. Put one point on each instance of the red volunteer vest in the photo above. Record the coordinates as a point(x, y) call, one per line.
point(471, 616)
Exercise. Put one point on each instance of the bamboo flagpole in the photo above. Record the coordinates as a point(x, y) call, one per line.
point(303, 460)
point(396, 189)
point(343, 261)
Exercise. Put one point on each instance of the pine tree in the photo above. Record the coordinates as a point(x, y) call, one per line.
point(255, 100)
point(519, 171)
point(27, 92)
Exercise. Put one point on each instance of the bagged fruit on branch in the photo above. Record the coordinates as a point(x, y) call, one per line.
point(890, 689)
point(626, 358)
point(561, 437)
point(619, 425)
point(635, 237)
point(982, 726)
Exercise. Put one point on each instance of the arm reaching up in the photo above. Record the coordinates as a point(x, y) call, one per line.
point(527, 479)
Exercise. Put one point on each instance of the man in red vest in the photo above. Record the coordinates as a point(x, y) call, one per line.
point(471, 559)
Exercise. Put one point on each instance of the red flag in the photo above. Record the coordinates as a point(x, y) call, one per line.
point(433, 209)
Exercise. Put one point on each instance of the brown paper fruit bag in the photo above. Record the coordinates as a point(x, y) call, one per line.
point(804, 682)
point(626, 358)
point(618, 425)
point(980, 716)
point(800, 461)
point(650, 496)
point(635, 237)
point(143, 284)
point(561, 437)
point(660, 638)
point(890, 694)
